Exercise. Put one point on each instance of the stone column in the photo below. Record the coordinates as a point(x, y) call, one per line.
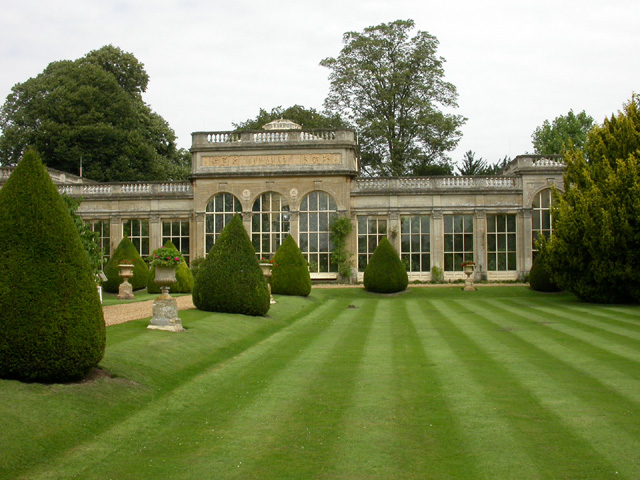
point(294, 225)
point(246, 221)
point(198, 244)
point(437, 239)
point(525, 242)
point(115, 232)
point(155, 233)
point(394, 230)
point(480, 244)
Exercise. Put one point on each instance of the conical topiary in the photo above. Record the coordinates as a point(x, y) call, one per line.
point(51, 326)
point(184, 278)
point(385, 272)
point(540, 277)
point(290, 274)
point(126, 250)
point(230, 279)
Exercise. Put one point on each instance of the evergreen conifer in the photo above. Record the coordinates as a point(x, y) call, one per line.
point(290, 275)
point(51, 323)
point(230, 279)
point(385, 272)
point(126, 250)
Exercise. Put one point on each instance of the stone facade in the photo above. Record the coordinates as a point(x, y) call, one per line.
point(294, 181)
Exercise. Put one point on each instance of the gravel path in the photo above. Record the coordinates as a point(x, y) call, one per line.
point(125, 312)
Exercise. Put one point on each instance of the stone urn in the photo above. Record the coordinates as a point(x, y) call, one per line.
point(165, 277)
point(165, 308)
point(125, 290)
point(468, 268)
point(266, 268)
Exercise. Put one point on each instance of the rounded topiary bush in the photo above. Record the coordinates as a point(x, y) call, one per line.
point(184, 278)
point(290, 275)
point(51, 327)
point(385, 272)
point(125, 251)
point(230, 279)
point(540, 277)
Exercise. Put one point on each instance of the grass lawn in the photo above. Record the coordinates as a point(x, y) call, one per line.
point(432, 383)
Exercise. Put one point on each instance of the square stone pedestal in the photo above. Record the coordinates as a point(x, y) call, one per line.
point(165, 315)
point(125, 291)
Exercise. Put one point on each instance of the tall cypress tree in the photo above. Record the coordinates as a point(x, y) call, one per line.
point(51, 323)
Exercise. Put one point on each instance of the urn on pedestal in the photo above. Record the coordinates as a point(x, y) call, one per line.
point(165, 308)
point(125, 271)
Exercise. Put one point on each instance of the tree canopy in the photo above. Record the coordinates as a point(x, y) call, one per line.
point(91, 110)
point(391, 86)
point(595, 248)
point(306, 117)
point(557, 136)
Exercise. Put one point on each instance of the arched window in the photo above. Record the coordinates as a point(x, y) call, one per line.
point(541, 217)
point(316, 212)
point(220, 209)
point(269, 223)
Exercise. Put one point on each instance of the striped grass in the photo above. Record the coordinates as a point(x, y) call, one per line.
point(432, 383)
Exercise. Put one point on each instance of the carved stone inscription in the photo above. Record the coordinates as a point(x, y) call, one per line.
point(288, 159)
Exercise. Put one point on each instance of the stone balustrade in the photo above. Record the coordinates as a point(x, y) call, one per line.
point(243, 139)
point(408, 184)
point(136, 189)
point(535, 162)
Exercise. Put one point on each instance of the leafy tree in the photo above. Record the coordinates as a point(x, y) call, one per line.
point(290, 275)
point(306, 117)
point(391, 87)
point(230, 279)
point(559, 135)
point(595, 248)
point(472, 165)
point(126, 251)
point(89, 238)
point(540, 276)
point(385, 272)
point(91, 111)
point(52, 328)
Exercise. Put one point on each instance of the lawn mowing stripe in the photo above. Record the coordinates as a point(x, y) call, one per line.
point(498, 451)
point(595, 345)
point(625, 315)
point(132, 441)
point(537, 428)
point(603, 370)
point(311, 419)
point(430, 440)
point(591, 321)
point(592, 410)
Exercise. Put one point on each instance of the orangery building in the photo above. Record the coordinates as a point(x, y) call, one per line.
point(285, 180)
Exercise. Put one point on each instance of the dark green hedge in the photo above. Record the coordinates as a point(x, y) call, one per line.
point(385, 272)
point(290, 275)
point(230, 279)
point(184, 278)
point(125, 251)
point(51, 327)
point(539, 276)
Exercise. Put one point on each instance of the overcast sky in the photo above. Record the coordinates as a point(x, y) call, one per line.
point(211, 63)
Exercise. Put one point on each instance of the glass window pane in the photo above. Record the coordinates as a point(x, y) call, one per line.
point(468, 223)
point(448, 224)
point(424, 220)
point(511, 223)
point(468, 243)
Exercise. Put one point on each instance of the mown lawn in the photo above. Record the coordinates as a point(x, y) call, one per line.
point(433, 383)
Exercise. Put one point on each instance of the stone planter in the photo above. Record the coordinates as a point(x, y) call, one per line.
point(468, 283)
point(125, 290)
point(266, 271)
point(165, 308)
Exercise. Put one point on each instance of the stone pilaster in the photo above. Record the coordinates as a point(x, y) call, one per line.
point(437, 239)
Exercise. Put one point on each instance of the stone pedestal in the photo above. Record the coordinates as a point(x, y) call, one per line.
point(165, 315)
point(125, 291)
point(468, 283)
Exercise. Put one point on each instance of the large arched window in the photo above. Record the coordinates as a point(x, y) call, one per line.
point(541, 217)
point(220, 209)
point(316, 212)
point(269, 223)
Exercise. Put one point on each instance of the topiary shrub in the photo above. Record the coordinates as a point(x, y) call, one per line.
point(290, 275)
point(385, 272)
point(540, 277)
point(184, 278)
point(51, 328)
point(125, 251)
point(230, 280)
